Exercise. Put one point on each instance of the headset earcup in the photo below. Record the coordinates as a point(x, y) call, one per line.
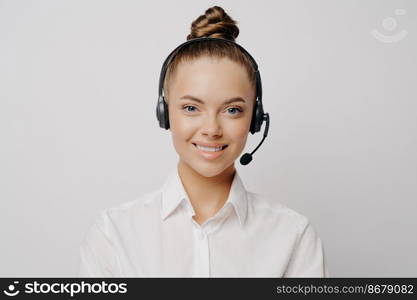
point(257, 117)
point(166, 122)
point(162, 113)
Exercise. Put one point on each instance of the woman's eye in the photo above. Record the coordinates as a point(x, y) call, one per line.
point(230, 110)
point(234, 110)
point(189, 108)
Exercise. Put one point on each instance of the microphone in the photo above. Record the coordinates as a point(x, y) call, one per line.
point(247, 157)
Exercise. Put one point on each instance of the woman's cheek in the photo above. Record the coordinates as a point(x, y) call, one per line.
point(177, 121)
point(186, 127)
point(183, 130)
point(239, 130)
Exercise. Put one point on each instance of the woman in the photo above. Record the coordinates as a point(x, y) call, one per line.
point(203, 222)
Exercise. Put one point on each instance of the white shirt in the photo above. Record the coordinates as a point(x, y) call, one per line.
point(156, 236)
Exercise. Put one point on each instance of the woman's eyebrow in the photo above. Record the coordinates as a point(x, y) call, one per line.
point(234, 99)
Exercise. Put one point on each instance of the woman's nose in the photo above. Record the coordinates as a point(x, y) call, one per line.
point(212, 126)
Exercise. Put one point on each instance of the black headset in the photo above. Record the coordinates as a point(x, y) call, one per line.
point(258, 115)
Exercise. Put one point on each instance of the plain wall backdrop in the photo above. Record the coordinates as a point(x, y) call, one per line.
point(78, 90)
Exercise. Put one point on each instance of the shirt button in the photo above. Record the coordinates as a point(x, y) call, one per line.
point(201, 235)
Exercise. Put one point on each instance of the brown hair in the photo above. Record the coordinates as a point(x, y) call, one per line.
point(214, 23)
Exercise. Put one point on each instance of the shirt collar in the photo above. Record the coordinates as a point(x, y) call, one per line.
point(173, 193)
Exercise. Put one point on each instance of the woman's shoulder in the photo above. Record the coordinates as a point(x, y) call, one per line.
point(127, 210)
point(266, 206)
point(138, 202)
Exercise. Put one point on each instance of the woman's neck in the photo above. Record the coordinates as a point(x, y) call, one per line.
point(207, 194)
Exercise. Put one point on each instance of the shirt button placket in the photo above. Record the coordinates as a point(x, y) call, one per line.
point(203, 259)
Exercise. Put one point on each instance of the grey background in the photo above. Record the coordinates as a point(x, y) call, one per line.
point(78, 88)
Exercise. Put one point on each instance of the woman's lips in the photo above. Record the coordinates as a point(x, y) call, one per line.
point(208, 154)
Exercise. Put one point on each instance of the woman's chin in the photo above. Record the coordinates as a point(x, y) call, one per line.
point(210, 169)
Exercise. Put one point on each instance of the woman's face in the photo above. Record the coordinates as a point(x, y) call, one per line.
point(210, 102)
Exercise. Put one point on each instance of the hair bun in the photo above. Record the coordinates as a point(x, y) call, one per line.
point(214, 23)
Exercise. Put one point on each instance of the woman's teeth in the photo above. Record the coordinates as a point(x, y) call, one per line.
point(209, 149)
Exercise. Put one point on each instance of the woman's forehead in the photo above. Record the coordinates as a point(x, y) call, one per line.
point(210, 64)
point(208, 77)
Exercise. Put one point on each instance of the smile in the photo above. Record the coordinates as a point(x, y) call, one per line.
point(210, 152)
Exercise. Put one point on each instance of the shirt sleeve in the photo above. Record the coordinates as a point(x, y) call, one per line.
point(97, 254)
point(308, 258)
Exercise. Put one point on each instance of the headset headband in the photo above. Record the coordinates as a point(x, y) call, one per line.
point(191, 41)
